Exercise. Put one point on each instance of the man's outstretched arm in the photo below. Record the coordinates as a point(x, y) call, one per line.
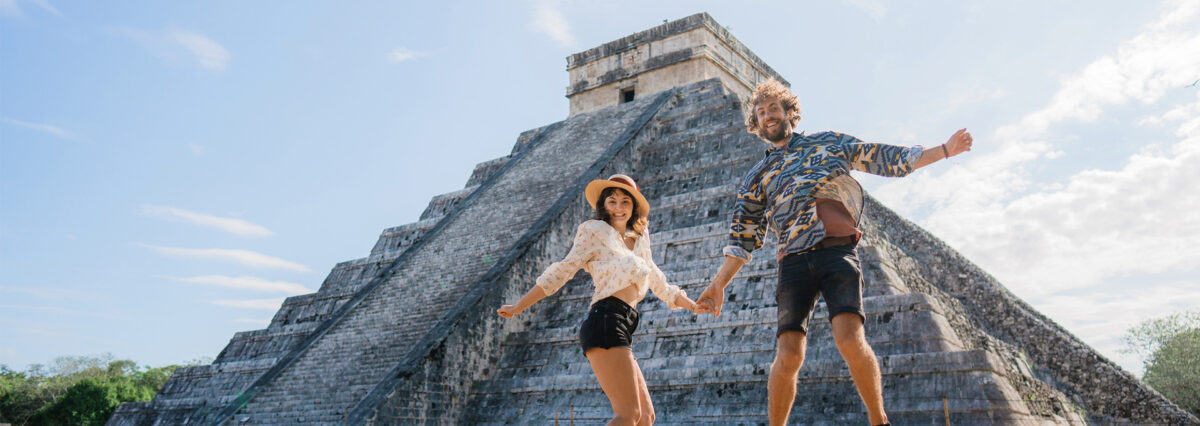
point(958, 143)
point(714, 296)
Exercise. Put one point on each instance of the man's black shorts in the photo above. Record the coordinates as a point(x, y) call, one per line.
point(832, 272)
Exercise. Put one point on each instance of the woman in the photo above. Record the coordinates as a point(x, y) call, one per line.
point(615, 249)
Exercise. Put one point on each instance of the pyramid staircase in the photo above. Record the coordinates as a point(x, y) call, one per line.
point(408, 335)
point(705, 369)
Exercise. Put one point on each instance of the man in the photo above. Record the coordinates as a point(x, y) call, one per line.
point(802, 189)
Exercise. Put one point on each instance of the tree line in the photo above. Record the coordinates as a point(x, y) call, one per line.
point(76, 390)
point(1170, 349)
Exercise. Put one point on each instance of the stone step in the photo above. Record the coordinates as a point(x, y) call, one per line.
point(681, 321)
point(725, 193)
point(269, 342)
point(486, 169)
point(272, 418)
point(356, 355)
point(678, 341)
point(686, 147)
point(697, 104)
point(733, 408)
point(441, 204)
point(822, 371)
point(662, 185)
point(969, 380)
point(312, 308)
point(398, 238)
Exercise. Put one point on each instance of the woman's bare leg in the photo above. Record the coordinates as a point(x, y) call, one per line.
point(645, 404)
point(618, 373)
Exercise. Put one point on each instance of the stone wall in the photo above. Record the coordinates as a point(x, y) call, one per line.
point(713, 370)
point(408, 335)
point(1109, 393)
point(436, 388)
point(685, 51)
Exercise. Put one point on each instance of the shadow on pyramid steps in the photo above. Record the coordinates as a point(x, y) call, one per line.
point(408, 335)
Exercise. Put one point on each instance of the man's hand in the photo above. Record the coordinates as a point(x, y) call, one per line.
point(959, 143)
point(711, 300)
point(714, 296)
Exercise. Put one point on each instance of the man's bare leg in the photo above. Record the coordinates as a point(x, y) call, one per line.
point(781, 384)
point(864, 369)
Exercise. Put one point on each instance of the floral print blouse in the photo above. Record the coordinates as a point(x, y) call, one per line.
point(600, 250)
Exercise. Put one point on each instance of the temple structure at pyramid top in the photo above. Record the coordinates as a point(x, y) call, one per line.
point(408, 334)
point(673, 54)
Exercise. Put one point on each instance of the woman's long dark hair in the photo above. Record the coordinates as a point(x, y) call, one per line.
point(636, 222)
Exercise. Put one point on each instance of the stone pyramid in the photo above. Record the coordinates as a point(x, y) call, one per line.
point(409, 335)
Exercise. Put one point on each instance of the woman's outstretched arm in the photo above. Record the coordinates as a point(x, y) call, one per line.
point(558, 273)
point(533, 296)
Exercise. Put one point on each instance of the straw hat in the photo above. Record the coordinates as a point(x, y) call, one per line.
point(619, 181)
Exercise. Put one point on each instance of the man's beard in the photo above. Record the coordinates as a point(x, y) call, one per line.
point(781, 133)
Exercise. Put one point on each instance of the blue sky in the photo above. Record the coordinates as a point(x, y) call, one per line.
point(170, 171)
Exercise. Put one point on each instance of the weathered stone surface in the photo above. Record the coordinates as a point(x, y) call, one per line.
point(687, 50)
point(713, 370)
point(408, 334)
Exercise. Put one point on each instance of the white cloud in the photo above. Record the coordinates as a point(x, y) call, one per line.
point(10, 8)
point(45, 5)
point(977, 203)
point(197, 149)
point(230, 225)
point(254, 321)
point(56, 310)
point(240, 257)
point(401, 54)
point(1054, 243)
point(45, 128)
point(1101, 223)
point(263, 304)
point(971, 96)
point(205, 52)
point(175, 44)
point(1102, 317)
point(246, 283)
point(873, 8)
point(548, 19)
point(47, 292)
point(51, 309)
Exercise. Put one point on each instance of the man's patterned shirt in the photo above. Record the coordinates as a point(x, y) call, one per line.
point(781, 190)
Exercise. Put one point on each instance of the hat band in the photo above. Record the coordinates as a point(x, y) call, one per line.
point(624, 181)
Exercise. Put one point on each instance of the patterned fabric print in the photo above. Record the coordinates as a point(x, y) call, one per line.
point(783, 186)
point(599, 250)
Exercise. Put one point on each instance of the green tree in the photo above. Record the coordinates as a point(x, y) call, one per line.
point(18, 397)
point(1170, 348)
point(76, 390)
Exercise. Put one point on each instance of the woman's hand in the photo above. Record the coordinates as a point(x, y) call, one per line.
point(508, 311)
point(686, 303)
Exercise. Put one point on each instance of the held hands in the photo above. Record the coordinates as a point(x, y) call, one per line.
point(508, 311)
point(958, 143)
point(711, 300)
point(686, 303)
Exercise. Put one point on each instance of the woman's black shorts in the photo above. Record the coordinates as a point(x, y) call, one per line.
point(610, 323)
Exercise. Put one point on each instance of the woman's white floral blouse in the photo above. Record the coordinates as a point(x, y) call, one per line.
point(599, 250)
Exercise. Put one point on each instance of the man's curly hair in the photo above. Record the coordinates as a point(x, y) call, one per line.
point(772, 89)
